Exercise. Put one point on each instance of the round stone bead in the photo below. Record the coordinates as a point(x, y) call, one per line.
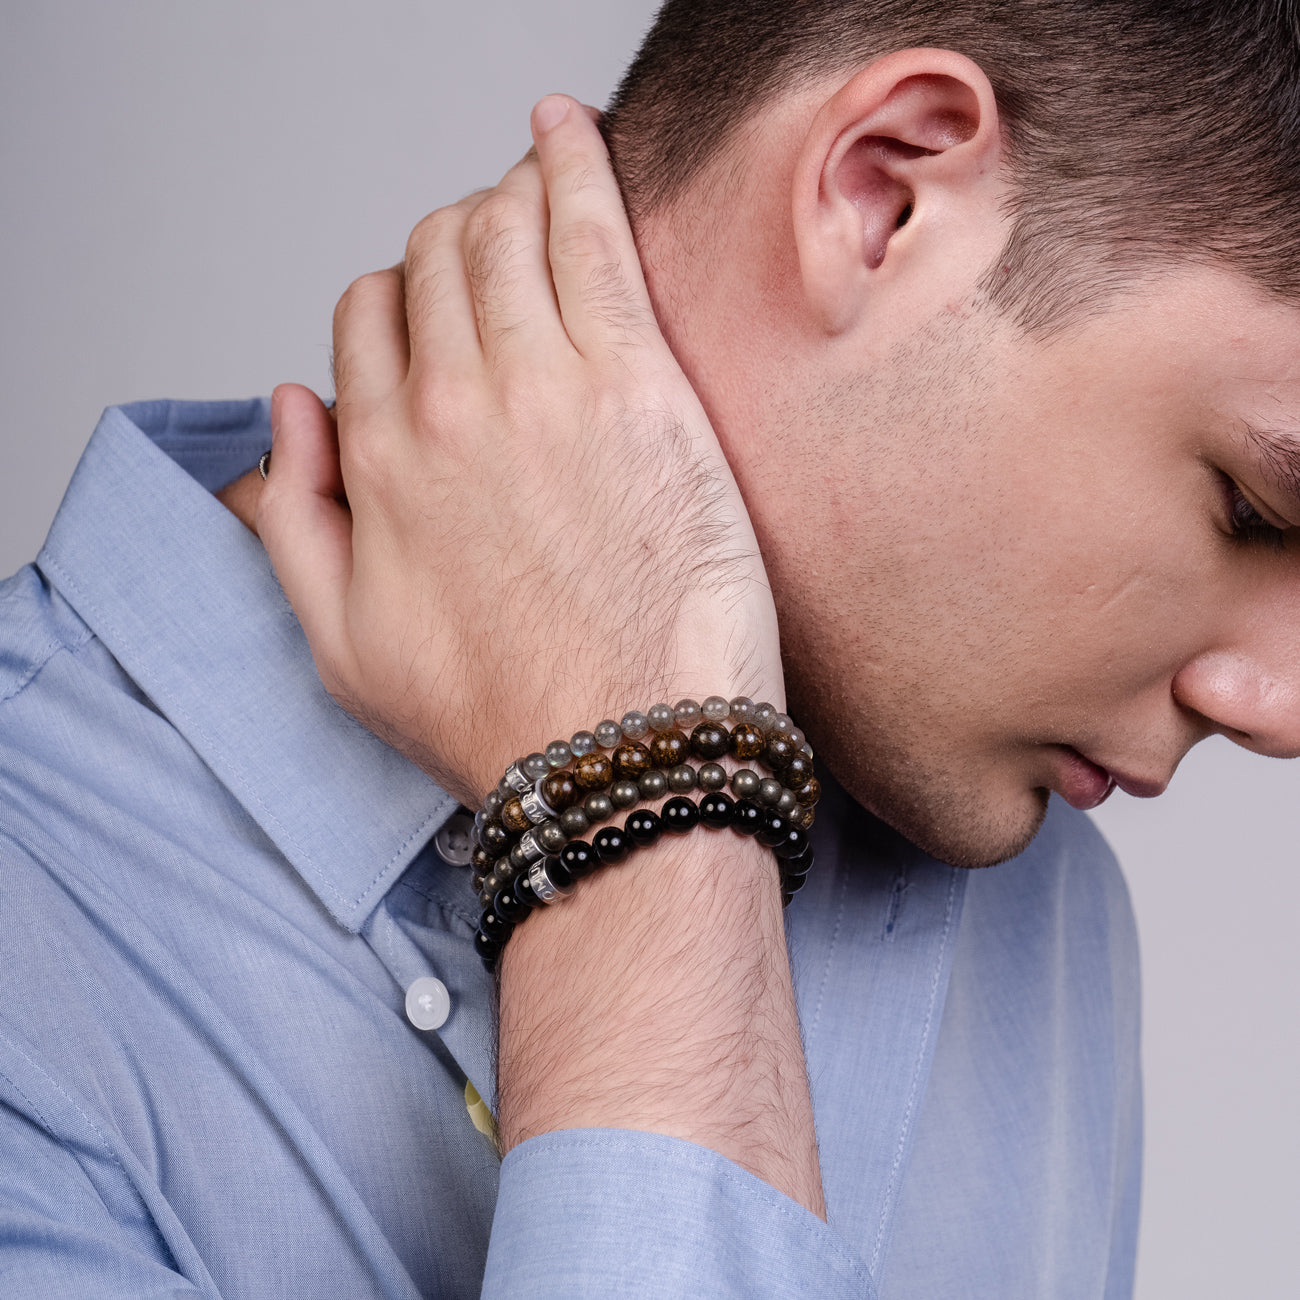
point(783, 723)
point(551, 837)
point(488, 949)
point(800, 864)
point(630, 759)
point(612, 844)
point(560, 791)
point(710, 740)
point(681, 779)
point(560, 875)
point(494, 837)
point(744, 783)
point(797, 738)
point(688, 713)
point(746, 742)
point(574, 822)
point(535, 766)
point(593, 771)
point(491, 883)
point(769, 791)
point(643, 826)
point(746, 817)
point(712, 776)
point(810, 791)
point(792, 887)
point(805, 817)
point(476, 882)
point(715, 709)
point(523, 891)
point(741, 709)
point(717, 810)
point(582, 742)
point(806, 750)
point(558, 753)
point(796, 771)
point(797, 841)
point(661, 717)
point(508, 907)
point(608, 733)
point(763, 715)
point(652, 784)
point(668, 748)
point(599, 807)
point(579, 859)
point(493, 804)
point(513, 817)
point(480, 859)
point(623, 794)
point(787, 803)
point(679, 815)
point(774, 829)
point(635, 725)
point(495, 928)
point(778, 751)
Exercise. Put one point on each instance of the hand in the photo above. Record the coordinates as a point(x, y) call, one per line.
point(523, 522)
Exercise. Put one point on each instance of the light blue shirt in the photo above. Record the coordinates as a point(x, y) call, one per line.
point(216, 888)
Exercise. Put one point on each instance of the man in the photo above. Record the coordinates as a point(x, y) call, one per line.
point(1022, 542)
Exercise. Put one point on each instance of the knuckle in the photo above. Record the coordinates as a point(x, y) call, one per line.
point(430, 230)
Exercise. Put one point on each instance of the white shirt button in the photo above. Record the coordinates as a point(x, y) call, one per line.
point(454, 839)
point(428, 1004)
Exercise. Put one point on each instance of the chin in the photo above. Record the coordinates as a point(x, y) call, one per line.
point(962, 828)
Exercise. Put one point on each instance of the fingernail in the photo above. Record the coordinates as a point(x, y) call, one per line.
point(550, 112)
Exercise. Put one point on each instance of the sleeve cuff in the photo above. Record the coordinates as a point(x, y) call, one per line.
point(601, 1212)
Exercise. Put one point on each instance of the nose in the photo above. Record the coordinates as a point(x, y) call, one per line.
point(1251, 696)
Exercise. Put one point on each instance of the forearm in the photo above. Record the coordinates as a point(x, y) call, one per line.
point(658, 997)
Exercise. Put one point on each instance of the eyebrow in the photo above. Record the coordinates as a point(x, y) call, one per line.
point(1279, 455)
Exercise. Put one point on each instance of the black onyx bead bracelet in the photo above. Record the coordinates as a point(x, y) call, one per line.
point(528, 851)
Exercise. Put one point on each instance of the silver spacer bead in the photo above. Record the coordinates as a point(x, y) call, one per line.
point(528, 850)
point(515, 778)
point(543, 886)
point(536, 809)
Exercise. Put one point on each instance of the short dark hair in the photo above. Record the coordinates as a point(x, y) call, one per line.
point(1137, 130)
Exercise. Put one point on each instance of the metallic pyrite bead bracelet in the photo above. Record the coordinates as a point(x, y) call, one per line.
point(527, 848)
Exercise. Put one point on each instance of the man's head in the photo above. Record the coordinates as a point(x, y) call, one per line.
point(990, 304)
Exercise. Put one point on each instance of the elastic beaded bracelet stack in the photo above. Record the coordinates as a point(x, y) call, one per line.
point(528, 850)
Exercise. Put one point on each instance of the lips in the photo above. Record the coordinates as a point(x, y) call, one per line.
point(1081, 782)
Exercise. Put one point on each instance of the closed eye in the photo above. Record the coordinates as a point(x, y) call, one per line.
point(1246, 524)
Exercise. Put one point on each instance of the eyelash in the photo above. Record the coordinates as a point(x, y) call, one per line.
point(1246, 524)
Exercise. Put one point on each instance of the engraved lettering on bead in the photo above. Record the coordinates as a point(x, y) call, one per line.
point(515, 779)
point(543, 886)
point(535, 807)
point(527, 851)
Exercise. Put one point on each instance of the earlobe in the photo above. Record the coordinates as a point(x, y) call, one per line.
point(881, 159)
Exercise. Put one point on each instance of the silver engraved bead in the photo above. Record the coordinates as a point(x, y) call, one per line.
point(516, 779)
point(536, 809)
point(528, 850)
point(543, 886)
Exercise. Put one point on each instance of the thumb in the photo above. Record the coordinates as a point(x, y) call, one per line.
point(303, 518)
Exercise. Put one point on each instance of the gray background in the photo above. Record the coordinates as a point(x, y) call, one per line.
point(186, 189)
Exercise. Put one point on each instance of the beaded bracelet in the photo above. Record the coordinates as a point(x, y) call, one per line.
point(527, 854)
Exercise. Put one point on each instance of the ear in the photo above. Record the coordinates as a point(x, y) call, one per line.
point(901, 158)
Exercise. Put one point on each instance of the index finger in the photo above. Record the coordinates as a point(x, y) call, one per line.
point(594, 262)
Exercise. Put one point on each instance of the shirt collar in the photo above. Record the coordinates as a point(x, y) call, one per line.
point(183, 596)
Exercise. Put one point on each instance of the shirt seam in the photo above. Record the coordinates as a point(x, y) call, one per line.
point(48, 653)
point(249, 795)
